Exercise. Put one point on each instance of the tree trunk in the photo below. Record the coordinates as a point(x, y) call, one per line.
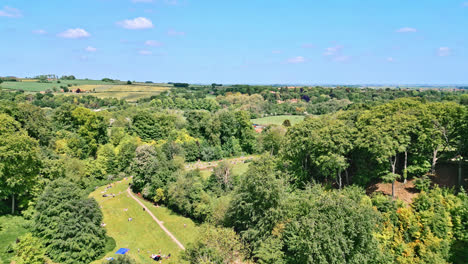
point(347, 178)
point(434, 160)
point(13, 204)
point(405, 173)
point(339, 179)
point(459, 176)
point(393, 164)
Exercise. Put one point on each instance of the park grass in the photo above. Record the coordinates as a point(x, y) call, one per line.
point(143, 232)
point(278, 120)
point(11, 227)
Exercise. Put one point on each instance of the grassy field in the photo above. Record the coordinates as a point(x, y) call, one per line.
point(34, 86)
point(100, 89)
point(277, 120)
point(238, 167)
point(11, 227)
point(142, 233)
point(127, 92)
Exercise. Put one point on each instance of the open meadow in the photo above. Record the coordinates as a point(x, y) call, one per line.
point(278, 120)
point(142, 235)
point(127, 92)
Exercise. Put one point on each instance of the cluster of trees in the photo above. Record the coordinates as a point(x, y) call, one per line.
point(400, 139)
point(68, 77)
point(187, 104)
point(300, 202)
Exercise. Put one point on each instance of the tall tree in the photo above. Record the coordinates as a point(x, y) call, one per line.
point(19, 160)
point(69, 224)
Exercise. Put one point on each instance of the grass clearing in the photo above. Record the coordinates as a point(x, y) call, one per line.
point(239, 165)
point(11, 227)
point(143, 232)
point(278, 120)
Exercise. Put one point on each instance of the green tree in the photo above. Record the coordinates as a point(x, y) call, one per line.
point(29, 250)
point(330, 227)
point(255, 202)
point(69, 224)
point(215, 245)
point(19, 160)
point(318, 149)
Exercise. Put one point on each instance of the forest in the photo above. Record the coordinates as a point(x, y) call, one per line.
point(303, 199)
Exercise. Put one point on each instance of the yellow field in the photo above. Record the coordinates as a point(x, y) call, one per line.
point(127, 92)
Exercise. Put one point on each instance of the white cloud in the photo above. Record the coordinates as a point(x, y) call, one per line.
point(333, 51)
point(145, 52)
point(74, 33)
point(444, 51)
point(308, 46)
point(136, 23)
point(142, 1)
point(298, 59)
point(39, 32)
point(10, 12)
point(153, 43)
point(465, 4)
point(390, 59)
point(172, 32)
point(90, 49)
point(276, 51)
point(406, 30)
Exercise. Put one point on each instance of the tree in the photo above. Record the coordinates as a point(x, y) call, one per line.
point(215, 245)
point(271, 139)
point(152, 170)
point(385, 132)
point(329, 227)
point(318, 149)
point(29, 250)
point(253, 208)
point(223, 175)
point(19, 160)
point(69, 224)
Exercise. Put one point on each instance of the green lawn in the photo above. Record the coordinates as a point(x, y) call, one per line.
point(11, 227)
point(277, 120)
point(143, 232)
point(238, 167)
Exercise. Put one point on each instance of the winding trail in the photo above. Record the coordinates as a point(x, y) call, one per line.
point(160, 223)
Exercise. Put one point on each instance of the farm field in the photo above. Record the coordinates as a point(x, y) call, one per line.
point(142, 232)
point(278, 120)
point(126, 92)
point(31, 85)
point(119, 90)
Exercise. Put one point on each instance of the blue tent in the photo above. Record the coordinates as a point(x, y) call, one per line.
point(122, 251)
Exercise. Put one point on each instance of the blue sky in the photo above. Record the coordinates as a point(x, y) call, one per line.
point(268, 42)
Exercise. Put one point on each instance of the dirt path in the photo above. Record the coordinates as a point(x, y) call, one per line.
point(157, 220)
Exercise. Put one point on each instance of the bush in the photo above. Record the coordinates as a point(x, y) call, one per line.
point(423, 183)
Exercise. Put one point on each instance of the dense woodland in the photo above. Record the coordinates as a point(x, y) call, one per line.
point(302, 199)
